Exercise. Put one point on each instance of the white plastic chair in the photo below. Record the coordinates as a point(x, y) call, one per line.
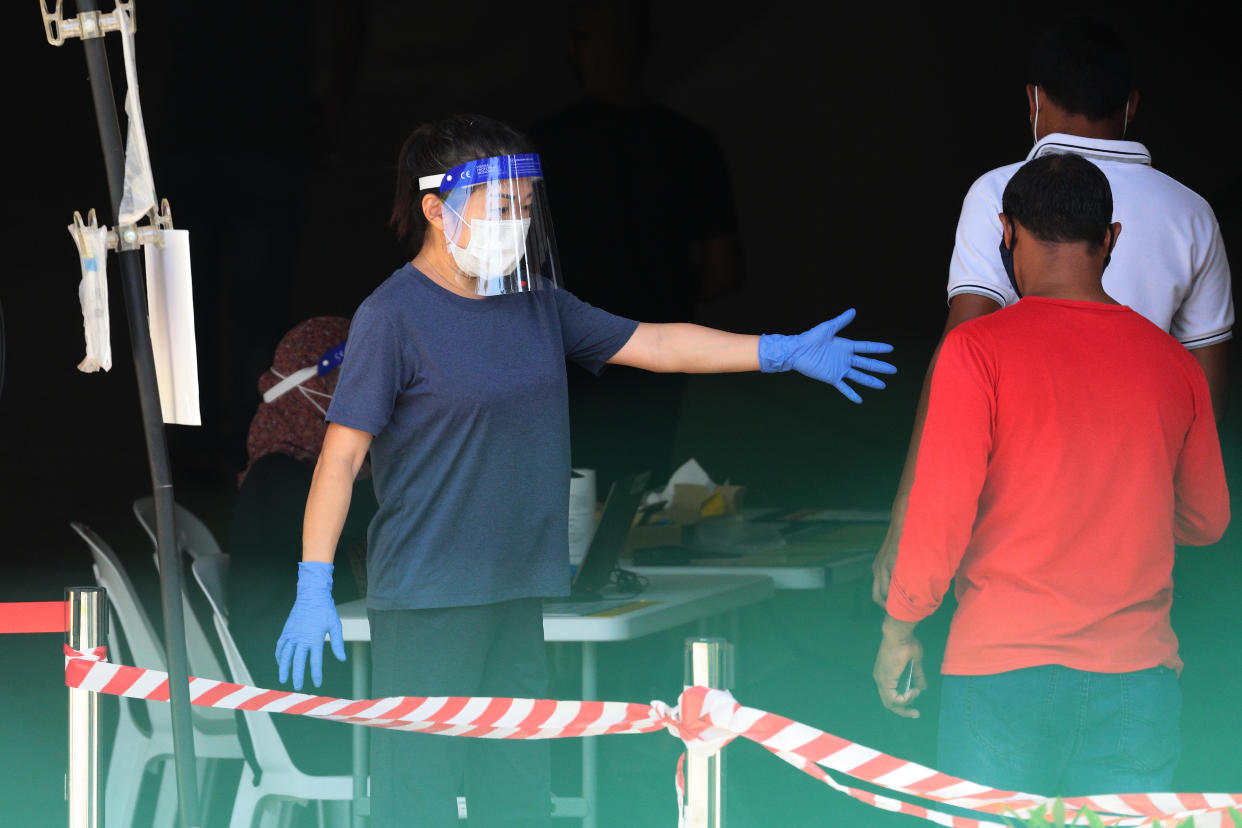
point(194, 539)
point(193, 536)
point(279, 779)
point(136, 750)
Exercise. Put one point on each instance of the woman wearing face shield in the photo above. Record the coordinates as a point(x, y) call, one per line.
point(454, 381)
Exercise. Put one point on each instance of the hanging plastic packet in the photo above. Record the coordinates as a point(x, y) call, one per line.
point(92, 243)
point(138, 196)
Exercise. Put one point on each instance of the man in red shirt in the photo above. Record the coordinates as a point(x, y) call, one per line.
point(1069, 445)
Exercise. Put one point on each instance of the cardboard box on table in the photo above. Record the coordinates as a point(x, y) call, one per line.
point(690, 504)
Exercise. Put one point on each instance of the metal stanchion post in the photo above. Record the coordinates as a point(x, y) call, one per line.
point(708, 663)
point(86, 627)
point(360, 808)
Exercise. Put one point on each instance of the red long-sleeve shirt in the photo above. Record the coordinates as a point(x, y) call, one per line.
point(1068, 446)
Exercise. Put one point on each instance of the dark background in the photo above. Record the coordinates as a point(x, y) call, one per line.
point(274, 136)
point(274, 129)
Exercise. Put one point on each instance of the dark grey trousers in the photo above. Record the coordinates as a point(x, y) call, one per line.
point(488, 650)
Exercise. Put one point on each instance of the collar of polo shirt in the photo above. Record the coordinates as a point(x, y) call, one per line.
point(1098, 148)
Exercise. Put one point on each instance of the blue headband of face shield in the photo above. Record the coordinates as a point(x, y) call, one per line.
point(482, 170)
point(330, 361)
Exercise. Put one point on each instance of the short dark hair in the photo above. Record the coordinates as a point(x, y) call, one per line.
point(1084, 66)
point(437, 147)
point(1060, 198)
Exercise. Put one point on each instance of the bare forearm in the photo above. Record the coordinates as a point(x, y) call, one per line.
point(962, 308)
point(691, 349)
point(1214, 359)
point(326, 507)
point(902, 499)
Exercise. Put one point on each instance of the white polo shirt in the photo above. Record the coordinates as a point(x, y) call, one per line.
point(1169, 263)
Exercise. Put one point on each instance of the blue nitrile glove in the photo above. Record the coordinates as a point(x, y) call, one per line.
point(313, 616)
point(821, 354)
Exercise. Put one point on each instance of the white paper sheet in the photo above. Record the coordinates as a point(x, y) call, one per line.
point(170, 305)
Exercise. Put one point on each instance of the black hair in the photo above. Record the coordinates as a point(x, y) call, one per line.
point(1060, 198)
point(1084, 66)
point(435, 148)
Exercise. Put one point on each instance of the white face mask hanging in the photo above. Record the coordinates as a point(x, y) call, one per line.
point(1035, 120)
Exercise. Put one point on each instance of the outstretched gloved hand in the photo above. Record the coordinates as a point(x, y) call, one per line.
point(820, 354)
point(313, 616)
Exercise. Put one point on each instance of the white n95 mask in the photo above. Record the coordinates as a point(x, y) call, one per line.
point(494, 249)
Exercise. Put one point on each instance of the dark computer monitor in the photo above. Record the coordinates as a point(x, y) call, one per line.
point(622, 504)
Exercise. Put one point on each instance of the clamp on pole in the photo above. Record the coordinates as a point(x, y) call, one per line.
point(86, 25)
point(133, 236)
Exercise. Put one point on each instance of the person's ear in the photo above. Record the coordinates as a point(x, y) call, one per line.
point(1030, 102)
point(1115, 227)
point(433, 211)
point(1007, 230)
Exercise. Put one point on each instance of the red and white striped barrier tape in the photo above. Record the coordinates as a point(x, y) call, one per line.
point(705, 720)
point(34, 617)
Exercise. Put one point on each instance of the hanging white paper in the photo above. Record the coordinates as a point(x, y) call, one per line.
point(138, 196)
point(92, 245)
point(170, 305)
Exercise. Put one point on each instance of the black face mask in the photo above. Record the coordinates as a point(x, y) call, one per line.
point(1006, 256)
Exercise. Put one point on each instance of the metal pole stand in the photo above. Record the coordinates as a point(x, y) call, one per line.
point(86, 628)
point(90, 25)
point(708, 663)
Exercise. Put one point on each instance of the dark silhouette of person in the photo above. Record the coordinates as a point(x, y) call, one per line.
point(282, 446)
point(646, 228)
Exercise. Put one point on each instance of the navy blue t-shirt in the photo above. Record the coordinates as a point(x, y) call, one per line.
point(467, 401)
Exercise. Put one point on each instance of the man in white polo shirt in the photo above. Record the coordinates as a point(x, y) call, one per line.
point(1170, 266)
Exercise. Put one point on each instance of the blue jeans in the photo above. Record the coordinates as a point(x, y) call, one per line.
point(1054, 731)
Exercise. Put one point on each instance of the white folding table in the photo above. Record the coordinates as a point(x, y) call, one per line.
point(784, 576)
point(670, 599)
point(842, 561)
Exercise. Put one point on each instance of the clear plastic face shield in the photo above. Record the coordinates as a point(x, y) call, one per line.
point(496, 224)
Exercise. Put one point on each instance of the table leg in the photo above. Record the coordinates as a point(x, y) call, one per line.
point(361, 810)
point(590, 688)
